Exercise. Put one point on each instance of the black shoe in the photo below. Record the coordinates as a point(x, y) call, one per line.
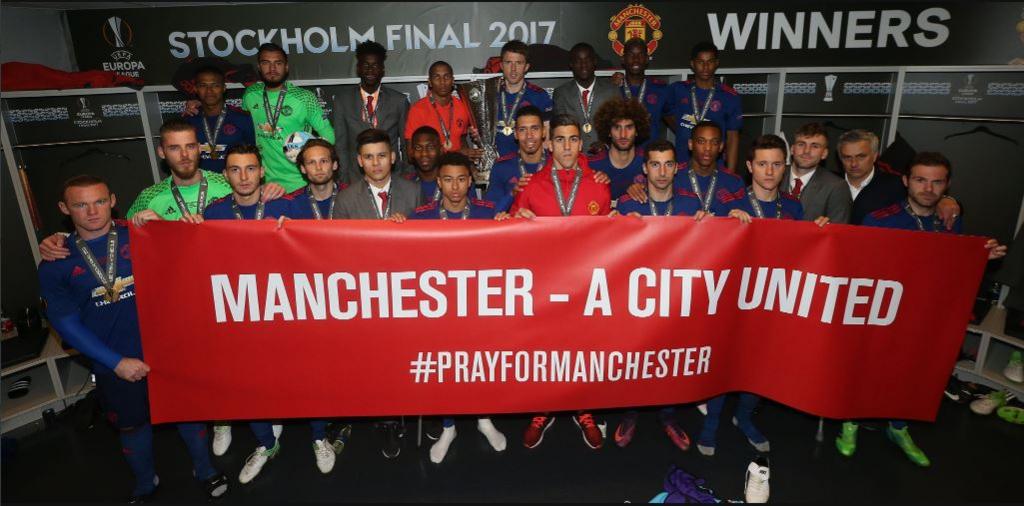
point(432, 429)
point(958, 391)
point(216, 487)
point(392, 445)
point(338, 435)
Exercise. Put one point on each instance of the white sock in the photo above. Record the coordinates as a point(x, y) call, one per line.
point(493, 435)
point(439, 449)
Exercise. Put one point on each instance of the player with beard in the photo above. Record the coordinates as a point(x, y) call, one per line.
point(662, 199)
point(511, 172)
point(279, 109)
point(318, 161)
point(650, 92)
point(622, 124)
point(514, 92)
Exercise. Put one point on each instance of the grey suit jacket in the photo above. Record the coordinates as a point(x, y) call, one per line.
point(354, 202)
point(392, 109)
point(567, 101)
point(826, 195)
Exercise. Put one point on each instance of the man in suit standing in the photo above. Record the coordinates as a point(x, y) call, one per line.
point(370, 105)
point(821, 192)
point(376, 195)
point(584, 94)
point(873, 189)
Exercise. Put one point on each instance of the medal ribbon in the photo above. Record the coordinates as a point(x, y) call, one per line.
point(200, 200)
point(562, 205)
point(238, 211)
point(757, 205)
point(105, 278)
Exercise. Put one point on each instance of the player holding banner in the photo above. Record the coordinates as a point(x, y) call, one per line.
point(90, 300)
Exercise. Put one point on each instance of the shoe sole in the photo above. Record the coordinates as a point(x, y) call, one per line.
point(541, 438)
point(271, 457)
point(592, 447)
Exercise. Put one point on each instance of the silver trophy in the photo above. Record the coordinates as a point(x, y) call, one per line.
point(481, 97)
point(830, 84)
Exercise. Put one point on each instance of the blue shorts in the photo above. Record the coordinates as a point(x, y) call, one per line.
point(125, 404)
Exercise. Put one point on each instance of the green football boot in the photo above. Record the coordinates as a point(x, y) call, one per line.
point(846, 443)
point(902, 439)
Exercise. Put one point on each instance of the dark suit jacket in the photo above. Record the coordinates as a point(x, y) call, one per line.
point(348, 123)
point(825, 195)
point(884, 190)
point(567, 101)
point(353, 203)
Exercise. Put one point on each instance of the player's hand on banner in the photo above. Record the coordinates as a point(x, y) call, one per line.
point(194, 219)
point(601, 178)
point(995, 250)
point(502, 216)
point(272, 191)
point(397, 218)
point(949, 210)
point(700, 215)
point(191, 108)
point(144, 216)
point(53, 248)
point(131, 369)
point(740, 215)
point(280, 221)
point(821, 221)
point(637, 192)
point(525, 213)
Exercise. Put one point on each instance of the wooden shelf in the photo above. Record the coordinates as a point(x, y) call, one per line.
point(51, 349)
point(40, 393)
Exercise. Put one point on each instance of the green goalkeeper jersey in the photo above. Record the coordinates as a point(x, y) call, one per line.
point(300, 110)
point(160, 198)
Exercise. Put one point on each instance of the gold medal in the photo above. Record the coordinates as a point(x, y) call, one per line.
point(112, 294)
point(448, 145)
point(587, 128)
point(214, 154)
point(267, 128)
point(507, 130)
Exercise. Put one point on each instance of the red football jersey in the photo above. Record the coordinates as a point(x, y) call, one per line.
point(423, 113)
point(592, 198)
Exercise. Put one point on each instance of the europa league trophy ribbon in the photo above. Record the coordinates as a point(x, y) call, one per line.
point(830, 84)
point(480, 97)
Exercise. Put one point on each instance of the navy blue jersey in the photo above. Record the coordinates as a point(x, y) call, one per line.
point(300, 204)
point(478, 210)
point(684, 203)
point(69, 287)
point(792, 209)
point(896, 216)
point(727, 186)
point(221, 209)
point(655, 100)
point(725, 111)
point(533, 95)
point(236, 129)
point(622, 178)
point(504, 177)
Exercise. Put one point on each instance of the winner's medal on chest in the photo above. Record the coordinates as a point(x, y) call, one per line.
point(111, 292)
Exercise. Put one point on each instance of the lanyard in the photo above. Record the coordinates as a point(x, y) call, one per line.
point(563, 206)
point(920, 225)
point(705, 199)
point(654, 210)
point(444, 212)
point(211, 138)
point(697, 118)
point(316, 208)
point(272, 117)
point(757, 205)
point(376, 208)
point(640, 93)
point(451, 118)
point(107, 278)
point(506, 113)
point(200, 200)
point(238, 210)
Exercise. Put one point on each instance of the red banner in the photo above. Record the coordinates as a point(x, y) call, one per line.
point(241, 320)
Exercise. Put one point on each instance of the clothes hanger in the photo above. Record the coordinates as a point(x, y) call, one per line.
point(94, 151)
point(983, 130)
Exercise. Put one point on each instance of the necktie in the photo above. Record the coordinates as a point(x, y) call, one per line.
point(797, 187)
point(369, 107)
point(586, 95)
point(383, 202)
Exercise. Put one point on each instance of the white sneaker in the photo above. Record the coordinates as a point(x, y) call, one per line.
point(221, 439)
point(493, 435)
point(278, 429)
point(439, 449)
point(989, 403)
point(1014, 370)
point(324, 454)
point(755, 490)
point(254, 464)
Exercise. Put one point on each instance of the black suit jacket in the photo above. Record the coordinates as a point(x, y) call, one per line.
point(348, 123)
point(884, 190)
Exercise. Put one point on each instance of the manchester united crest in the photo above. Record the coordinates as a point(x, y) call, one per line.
point(635, 22)
point(593, 207)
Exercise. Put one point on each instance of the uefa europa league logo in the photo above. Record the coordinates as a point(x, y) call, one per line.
point(117, 33)
point(970, 82)
point(830, 84)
